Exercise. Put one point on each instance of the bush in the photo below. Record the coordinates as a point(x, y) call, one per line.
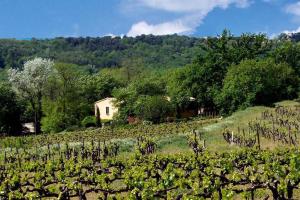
point(257, 83)
point(153, 108)
point(89, 121)
point(53, 123)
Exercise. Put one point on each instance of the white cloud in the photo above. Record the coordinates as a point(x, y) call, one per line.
point(294, 8)
point(158, 29)
point(111, 35)
point(288, 32)
point(192, 11)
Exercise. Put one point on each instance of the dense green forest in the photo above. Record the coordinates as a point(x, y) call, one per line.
point(55, 82)
point(154, 51)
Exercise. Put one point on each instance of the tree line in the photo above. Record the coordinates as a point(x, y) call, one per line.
point(226, 73)
point(101, 52)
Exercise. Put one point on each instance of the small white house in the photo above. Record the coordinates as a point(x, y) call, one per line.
point(106, 108)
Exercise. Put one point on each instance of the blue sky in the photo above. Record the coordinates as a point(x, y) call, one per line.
point(54, 18)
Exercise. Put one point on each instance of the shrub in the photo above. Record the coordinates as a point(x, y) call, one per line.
point(89, 121)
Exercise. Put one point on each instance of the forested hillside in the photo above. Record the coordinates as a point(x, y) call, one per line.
point(153, 51)
point(101, 52)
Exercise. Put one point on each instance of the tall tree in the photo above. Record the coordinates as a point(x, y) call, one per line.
point(10, 111)
point(145, 98)
point(203, 79)
point(289, 53)
point(30, 83)
point(64, 105)
point(257, 83)
point(98, 119)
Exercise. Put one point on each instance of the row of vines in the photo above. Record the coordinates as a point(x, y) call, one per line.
point(102, 134)
point(98, 171)
point(50, 167)
point(281, 125)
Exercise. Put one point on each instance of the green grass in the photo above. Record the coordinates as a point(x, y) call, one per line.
point(173, 144)
point(213, 132)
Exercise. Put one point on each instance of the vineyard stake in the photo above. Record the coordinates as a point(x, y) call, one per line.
point(232, 138)
point(258, 139)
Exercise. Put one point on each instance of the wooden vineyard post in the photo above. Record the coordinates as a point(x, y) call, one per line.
point(200, 135)
point(252, 194)
point(112, 129)
point(258, 139)
point(98, 149)
point(18, 156)
point(296, 137)
point(290, 136)
point(232, 138)
point(244, 137)
point(273, 129)
point(59, 153)
point(195, 135)
point(5, 159)
point(36, 150)
point(48, 148)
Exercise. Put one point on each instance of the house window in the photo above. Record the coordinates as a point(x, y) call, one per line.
point(107, 110)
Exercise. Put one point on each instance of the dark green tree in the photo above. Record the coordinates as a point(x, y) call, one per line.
point(203, 79)
point(257, 83)
point(10, 111)
point(153, 108)
point(131, 98)
point(288, 52)
point(98, 119)
point(64, 104)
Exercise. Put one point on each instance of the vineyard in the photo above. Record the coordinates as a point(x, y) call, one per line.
point(102, 134)
point(97, 171)
point(280, 126)
point(90, 164)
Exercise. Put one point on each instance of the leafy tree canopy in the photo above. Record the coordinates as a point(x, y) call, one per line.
point(255, 83)
point(10, 111)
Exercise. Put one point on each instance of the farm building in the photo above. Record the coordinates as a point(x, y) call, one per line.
point(106, 108)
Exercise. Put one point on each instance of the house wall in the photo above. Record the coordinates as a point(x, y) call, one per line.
point(102, 108)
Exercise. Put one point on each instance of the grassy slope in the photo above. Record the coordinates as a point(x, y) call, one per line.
point(213, 132)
